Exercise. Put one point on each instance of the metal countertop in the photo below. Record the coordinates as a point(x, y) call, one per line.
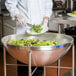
point(64, 19)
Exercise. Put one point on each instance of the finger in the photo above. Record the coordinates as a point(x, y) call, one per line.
point(24, 21)
point(20, 21)
point(24, 24)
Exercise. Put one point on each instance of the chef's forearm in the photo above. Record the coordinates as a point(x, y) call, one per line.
point(45, 20)
point(46, 17)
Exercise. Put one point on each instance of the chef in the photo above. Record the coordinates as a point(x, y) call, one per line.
point(27, 12)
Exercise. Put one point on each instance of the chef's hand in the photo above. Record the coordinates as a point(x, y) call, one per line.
point(20, 19)
point(45, 22)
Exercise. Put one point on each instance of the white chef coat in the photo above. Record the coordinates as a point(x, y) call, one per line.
point(33, 11)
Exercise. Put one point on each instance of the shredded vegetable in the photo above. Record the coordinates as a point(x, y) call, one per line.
point(33, 42)
point(36, 28)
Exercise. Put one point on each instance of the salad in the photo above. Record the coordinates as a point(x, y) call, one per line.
point(36, 28)
point(73, 13)
point(33, 42)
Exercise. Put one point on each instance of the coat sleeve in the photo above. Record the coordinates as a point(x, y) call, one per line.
point(11, 6)
point(48, 7)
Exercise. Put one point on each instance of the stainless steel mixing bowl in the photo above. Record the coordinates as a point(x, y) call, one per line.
point(41, 55)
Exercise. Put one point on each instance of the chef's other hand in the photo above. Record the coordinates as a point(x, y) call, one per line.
point(20, 19)
point(45, 22)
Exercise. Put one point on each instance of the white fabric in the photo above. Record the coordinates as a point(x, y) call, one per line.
point(33, 11)
point(21, 29)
